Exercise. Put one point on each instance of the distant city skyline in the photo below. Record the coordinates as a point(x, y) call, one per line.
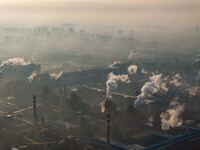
point(126, 13)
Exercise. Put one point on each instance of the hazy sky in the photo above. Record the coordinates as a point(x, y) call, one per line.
point(122, 12)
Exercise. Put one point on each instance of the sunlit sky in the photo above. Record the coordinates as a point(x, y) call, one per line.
point(166, 12)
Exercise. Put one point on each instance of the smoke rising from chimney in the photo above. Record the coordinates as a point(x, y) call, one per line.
point(13, 61)
point(32, 76)
point(111, 83)
point(113, 65)
point(150, 121)
point(176, 80)
point(102, 106)
point(55, 76)
point(155, 85)
point(131, 54)
point(132, 69)
point(171, 118)
point(193, 90)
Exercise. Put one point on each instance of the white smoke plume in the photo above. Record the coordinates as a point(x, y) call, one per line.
point(144, 71)
point(155, 85)
point(150, 121)
point(176, 80)
point(111, 86)
point(111, 83)
point(131, 54)
point(102, 106)
point(56, 76)
point(193, 91)
point(123, 78)
point(32, 76)
point(13, 61)
point(113, 65)
point(132, 69)
point(171, 118)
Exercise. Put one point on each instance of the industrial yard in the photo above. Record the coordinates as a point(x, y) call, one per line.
point(99, 75)
point(52, 113)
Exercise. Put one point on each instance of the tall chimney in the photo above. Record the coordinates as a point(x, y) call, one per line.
point(34, 110)
point(34, 117)
point(108, 109)
point(108, 132)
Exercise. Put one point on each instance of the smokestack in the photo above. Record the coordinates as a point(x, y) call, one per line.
point(34, 117)
point(34, 110)
point(108, 132)
point(108, 109)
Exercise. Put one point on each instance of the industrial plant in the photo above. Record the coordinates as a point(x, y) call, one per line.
point(99, 75)
point(134, 104)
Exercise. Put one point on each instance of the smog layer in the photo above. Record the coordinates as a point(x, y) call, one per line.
point(96, 75)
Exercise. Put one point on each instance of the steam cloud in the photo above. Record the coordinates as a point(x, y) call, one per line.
point(111, 83)
point(132, 69)
point(113, 65)
point(102, 106)
point(176, 80)
point(193, 91)
point(171, 118)
point(56, 76)
point(32, 76)
point(150, 121)
point(144, 71)
point(155, 85)
point(131, 54)
point(13, 61)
